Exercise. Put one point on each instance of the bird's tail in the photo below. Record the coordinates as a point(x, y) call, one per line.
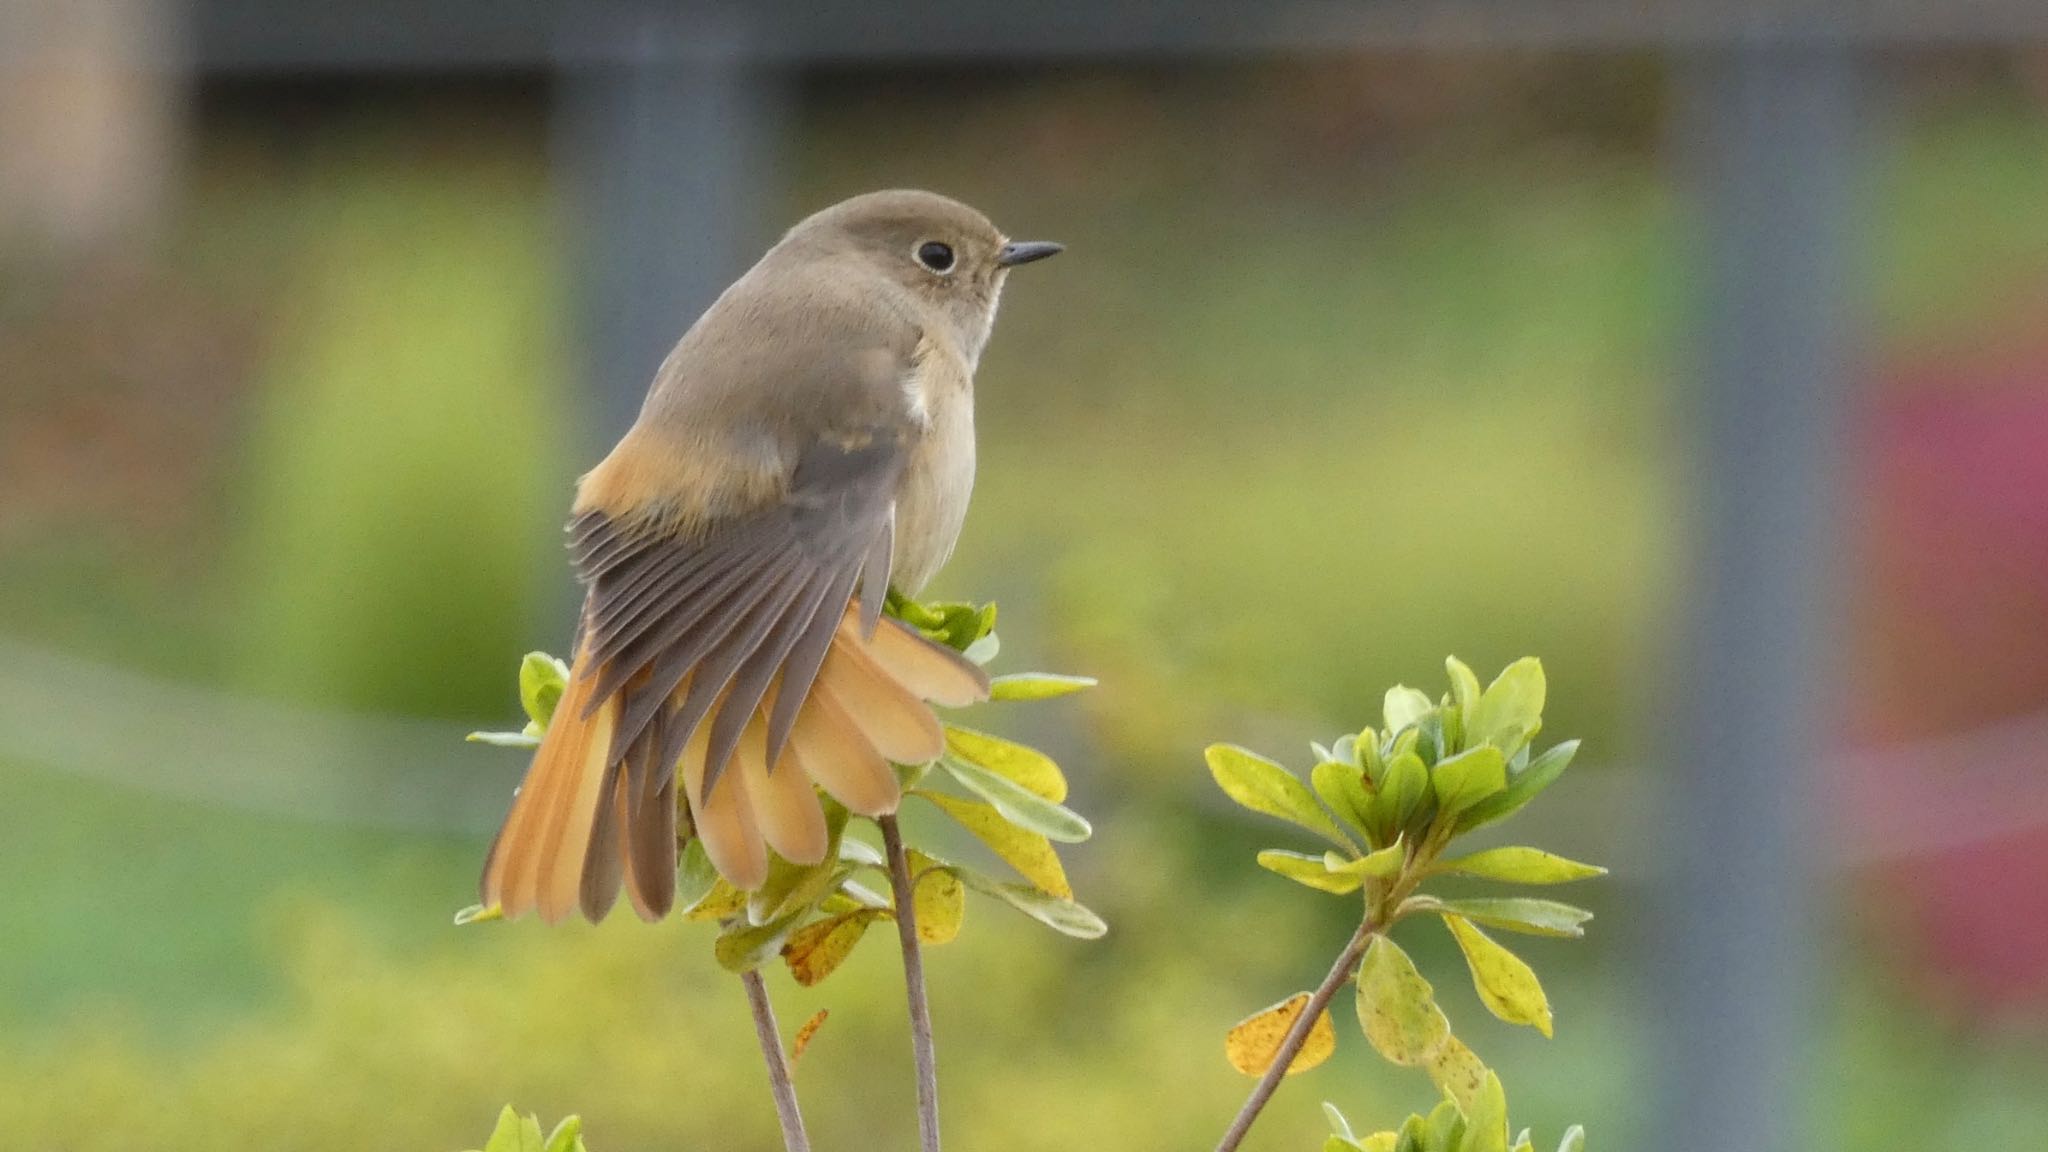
point(583, 824)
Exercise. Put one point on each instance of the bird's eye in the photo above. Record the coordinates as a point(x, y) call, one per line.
point(935, 256)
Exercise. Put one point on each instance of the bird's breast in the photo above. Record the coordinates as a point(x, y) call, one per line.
point(931, 499)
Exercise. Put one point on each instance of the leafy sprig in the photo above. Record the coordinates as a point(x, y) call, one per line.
point(516, 1133)
point(1388, 803)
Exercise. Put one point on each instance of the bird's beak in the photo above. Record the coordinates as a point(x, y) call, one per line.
point(1025, 251)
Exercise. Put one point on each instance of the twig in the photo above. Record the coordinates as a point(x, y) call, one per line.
point(794, 1139)
point(1341, 971)
point(913, 982)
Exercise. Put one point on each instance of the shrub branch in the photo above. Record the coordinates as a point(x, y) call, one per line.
point(794, 1138)
point(913, 983)
point(1318, 1003)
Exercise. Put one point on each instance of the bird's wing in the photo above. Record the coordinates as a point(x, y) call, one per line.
point(751, 596)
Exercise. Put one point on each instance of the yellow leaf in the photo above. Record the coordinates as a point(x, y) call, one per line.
point(816, 950)
point(939, 902)
point(1037, 686)
point(1255, 1043)
point(1028, 768)
point(1028, 852)
point(1507, 985)
point(1457, 1070)
point(722, 901)
point(1397, 1007)
point(478, 914)
point(805, 1035)
point(1262, 786)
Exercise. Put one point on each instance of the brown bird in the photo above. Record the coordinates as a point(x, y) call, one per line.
point(807, 445)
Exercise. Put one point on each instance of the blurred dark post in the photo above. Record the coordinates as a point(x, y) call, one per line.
point(1769, 127)
point(665, 133)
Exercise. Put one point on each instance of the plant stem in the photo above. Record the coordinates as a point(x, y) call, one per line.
point(794, 1138)
point(913, 983)
point(1341, 971)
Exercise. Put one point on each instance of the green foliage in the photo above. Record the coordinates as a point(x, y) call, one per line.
point(515, 1133)
point(814, 916)
point(542, 680)
point(404, 468)
point(1393, 800)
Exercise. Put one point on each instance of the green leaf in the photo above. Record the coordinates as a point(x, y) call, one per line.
point(861, 852)
point(1309, 870)
point(505, 1135)
point(1450, 721)
point(1412, 1137)
point(1338, 1123)
point(1402, 797)
point(1486, 1121)
point(1541, 773)
point(1467, 778)
point(1506, 984)
point(1574, 1140)
point(958, 626)
point(1037, 686)
point(1444, 1126)
point(1341, 785)
point(1404, 706)
point(567, 1136)
point(516, 1133)
point(744, 947)
point(1397, 1007)
point(1372, 866)
point(794, 887)
point(541, 681)
point(1429, 737)
point(695, 877)
point(1024, 766)
point(1028, 852)
point(1019, 805)
point(1463, 683)
point(1369, 758)
point(1517, 914)
point(506, 739)
point(984, 649)
point(1257, 783)
point(478, 914)
point(1518, 865)
point(1063, 916)
point(1510, 710)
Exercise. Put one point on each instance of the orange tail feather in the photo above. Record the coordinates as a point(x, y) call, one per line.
point(573, 838)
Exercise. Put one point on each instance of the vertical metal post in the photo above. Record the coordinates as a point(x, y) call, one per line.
point(665, 133)
point(1768, 133)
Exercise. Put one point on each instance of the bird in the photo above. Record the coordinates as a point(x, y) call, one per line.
point(807, 446)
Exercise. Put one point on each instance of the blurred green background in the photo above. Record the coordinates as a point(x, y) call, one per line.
point(1350, 364)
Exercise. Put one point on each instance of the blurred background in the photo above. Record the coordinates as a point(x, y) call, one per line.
point(1703, 353)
